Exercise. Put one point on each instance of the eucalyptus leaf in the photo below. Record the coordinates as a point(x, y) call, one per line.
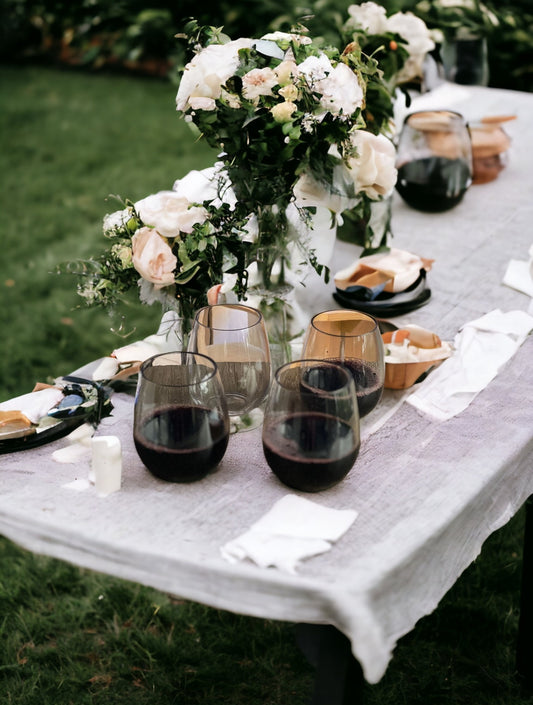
point(268, 48)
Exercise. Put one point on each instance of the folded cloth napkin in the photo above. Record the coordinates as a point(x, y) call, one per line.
point(294, 529)
point(481, 348)
point(34, 405)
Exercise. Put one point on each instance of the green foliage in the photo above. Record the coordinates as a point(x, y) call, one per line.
point(107, 33)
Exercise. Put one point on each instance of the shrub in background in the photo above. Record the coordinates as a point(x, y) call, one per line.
point(140, 34)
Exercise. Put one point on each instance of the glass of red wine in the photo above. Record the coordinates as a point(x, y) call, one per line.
point(353, 339)
point(434, 160)
point(235, 337)
point(311, 433)
point(181, 423)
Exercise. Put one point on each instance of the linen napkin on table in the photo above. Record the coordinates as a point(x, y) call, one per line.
point(294, 529)
point(519, 274)
point(481, 348)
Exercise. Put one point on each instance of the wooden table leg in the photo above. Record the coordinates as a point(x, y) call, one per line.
point(339, 678)
point(524, 649)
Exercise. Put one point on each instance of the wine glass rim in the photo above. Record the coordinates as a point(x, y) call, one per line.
point(210, 373)
point(360, 316)
point(237, 306)
point(428, 111)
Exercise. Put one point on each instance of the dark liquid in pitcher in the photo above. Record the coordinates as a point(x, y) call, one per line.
point(434, 184)
point(181, 443)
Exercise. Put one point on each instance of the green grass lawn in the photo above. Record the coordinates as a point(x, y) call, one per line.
point(69, 140)
point(69, 636)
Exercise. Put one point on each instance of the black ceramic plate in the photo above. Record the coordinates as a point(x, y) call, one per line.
point(386, 304)
point(95, 407)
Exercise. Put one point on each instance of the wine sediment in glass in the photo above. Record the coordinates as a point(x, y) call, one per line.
point(181, 443)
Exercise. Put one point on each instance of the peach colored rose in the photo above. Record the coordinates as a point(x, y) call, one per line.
point(153, 258)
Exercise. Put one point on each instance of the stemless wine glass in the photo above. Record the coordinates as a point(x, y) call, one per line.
point(311, 427)
point(434, 160)
point(353, 339)
point(235, 337)
point(181, 423)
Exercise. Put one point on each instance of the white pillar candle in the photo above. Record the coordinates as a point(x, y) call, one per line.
point(106, 464)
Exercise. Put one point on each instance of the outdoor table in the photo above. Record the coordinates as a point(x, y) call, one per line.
point(427, 493)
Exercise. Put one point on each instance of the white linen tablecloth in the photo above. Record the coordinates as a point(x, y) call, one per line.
point(427, 493)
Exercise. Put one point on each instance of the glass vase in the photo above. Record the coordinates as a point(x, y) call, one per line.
point(368, 225)
point(465, 60)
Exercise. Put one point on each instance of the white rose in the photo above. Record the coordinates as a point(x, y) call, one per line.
point(289, 92)
point(258, 82)
point(369, 16)
point(204, 76)
point(169, 213)
point(210, 184)
point(339, 86)
point(153, 258)
point(373, 170)
point(419, 43)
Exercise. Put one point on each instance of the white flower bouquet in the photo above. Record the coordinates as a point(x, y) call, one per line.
point(288, 119)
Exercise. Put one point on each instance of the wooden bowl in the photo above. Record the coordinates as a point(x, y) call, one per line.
point(401, 375)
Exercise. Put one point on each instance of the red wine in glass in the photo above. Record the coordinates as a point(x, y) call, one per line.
point(433, 184)
point(180, 420)
point(368, 384)
point(311, 427)
point(434, 160)
point(181, 443)
point(352, 339)
point(297, 448)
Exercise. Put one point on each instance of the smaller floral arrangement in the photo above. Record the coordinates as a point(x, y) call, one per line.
point(399, 41)
point(170, 248)
point(457, 19)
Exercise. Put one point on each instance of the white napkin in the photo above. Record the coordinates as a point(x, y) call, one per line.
point(519, 274)
point(34, 405)
point(482, 347)
point(294, 529)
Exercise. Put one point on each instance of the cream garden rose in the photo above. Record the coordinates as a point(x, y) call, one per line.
point(204, 76)
point(169, 213)
point(373, 170)
point(153, 258)
point(283, 112)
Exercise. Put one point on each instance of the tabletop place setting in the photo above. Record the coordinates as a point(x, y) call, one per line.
point(310, 408)
point(333, 413)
